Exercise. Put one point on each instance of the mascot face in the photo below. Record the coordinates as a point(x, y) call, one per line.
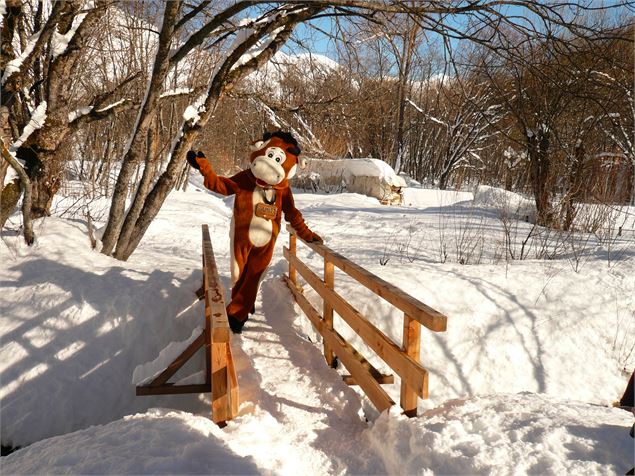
point(274, 160)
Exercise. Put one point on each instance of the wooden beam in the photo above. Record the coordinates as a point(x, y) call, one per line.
point(171, 389)
point(329, 280)
point(346, 353)
point(419, 311)
point(232, 383)
point(220, 388)
point(404, 365)
point(411, 346)
point(214, 296)
point(191, 349)
point(382, 379)
point(292, 249)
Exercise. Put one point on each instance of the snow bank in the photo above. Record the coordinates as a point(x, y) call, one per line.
point(156, 442)
point(75, 323)
point(508, 203)
point(500, 434)
point(506, 434)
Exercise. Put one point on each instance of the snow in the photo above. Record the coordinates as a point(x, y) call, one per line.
point(145, 373)
point(522, 381)
point(38, 118)
point(193, 111)
point(347, 169)
point(176, 92)
point(82, 111)
point(506, 434)
point(60, 42)
point(110, 106)
point(13, 66)
point(509, 203)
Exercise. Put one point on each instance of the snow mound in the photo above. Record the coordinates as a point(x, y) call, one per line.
point(507, 434)
point(155, 442)
point(498, 434)
point(508, 203)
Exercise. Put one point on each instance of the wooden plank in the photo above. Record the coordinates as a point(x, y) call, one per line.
point(170, 389)
point(200, 293)
point(191, 349)
point(419, 311)
point(214, 292)
point(232, 383)
point(329, 280)
point(220, 389)
point(411, 346)
point(292, 249)
point(382, 379)
point(346, 353)
point(404, 365)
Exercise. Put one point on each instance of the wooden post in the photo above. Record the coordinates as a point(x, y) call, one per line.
point(411, 346)
point(329, 280)
point(221, 399)
point(293, 240)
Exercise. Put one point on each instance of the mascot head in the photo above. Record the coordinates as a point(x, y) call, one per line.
point(274, 159)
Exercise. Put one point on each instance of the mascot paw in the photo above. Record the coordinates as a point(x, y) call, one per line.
point(315, 238)
point(191, 159)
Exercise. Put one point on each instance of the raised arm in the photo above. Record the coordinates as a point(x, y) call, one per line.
point(295, 219)
point(213, 182)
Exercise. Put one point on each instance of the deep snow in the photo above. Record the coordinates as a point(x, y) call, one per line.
point(534, 352)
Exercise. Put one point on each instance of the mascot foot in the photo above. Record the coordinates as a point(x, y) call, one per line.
point(236, 325)
point(253, 309)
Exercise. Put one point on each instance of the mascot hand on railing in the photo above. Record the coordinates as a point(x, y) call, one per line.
point(262, 194)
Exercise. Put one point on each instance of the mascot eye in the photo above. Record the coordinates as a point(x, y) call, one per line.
point(270, 155)
point(278, 159)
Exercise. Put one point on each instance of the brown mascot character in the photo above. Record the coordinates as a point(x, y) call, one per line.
point(262, 194)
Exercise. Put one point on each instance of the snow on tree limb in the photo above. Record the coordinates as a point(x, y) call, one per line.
point(37, 121)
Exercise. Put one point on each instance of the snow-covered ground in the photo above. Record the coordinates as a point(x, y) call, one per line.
point(522, 381)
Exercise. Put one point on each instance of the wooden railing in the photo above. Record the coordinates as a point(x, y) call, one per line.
point(220, 375)
point(402, 360)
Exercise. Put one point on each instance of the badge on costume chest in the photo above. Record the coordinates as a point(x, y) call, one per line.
point(267, 210)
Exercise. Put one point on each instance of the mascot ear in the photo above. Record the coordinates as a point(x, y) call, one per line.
point(256, 145)
point(303, 163)
point(294, 150)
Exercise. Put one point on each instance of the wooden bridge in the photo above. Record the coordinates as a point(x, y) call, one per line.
point(220, 376)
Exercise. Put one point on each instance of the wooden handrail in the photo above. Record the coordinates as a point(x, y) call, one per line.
point(220, 375)
point(220, 370)
point(214, 300)
point(402, 360)
point(424, 314)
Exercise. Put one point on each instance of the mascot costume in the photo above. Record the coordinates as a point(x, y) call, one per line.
point(262, 194)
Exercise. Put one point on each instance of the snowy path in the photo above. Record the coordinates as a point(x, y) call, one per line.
point(306, 405)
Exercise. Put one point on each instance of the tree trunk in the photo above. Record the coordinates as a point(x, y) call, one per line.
point(540, 167)
point(142, 192)
point(25, 185)
point(224, 79)
point(144, 116)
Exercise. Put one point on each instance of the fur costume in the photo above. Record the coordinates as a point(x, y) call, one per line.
point(262, 194)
